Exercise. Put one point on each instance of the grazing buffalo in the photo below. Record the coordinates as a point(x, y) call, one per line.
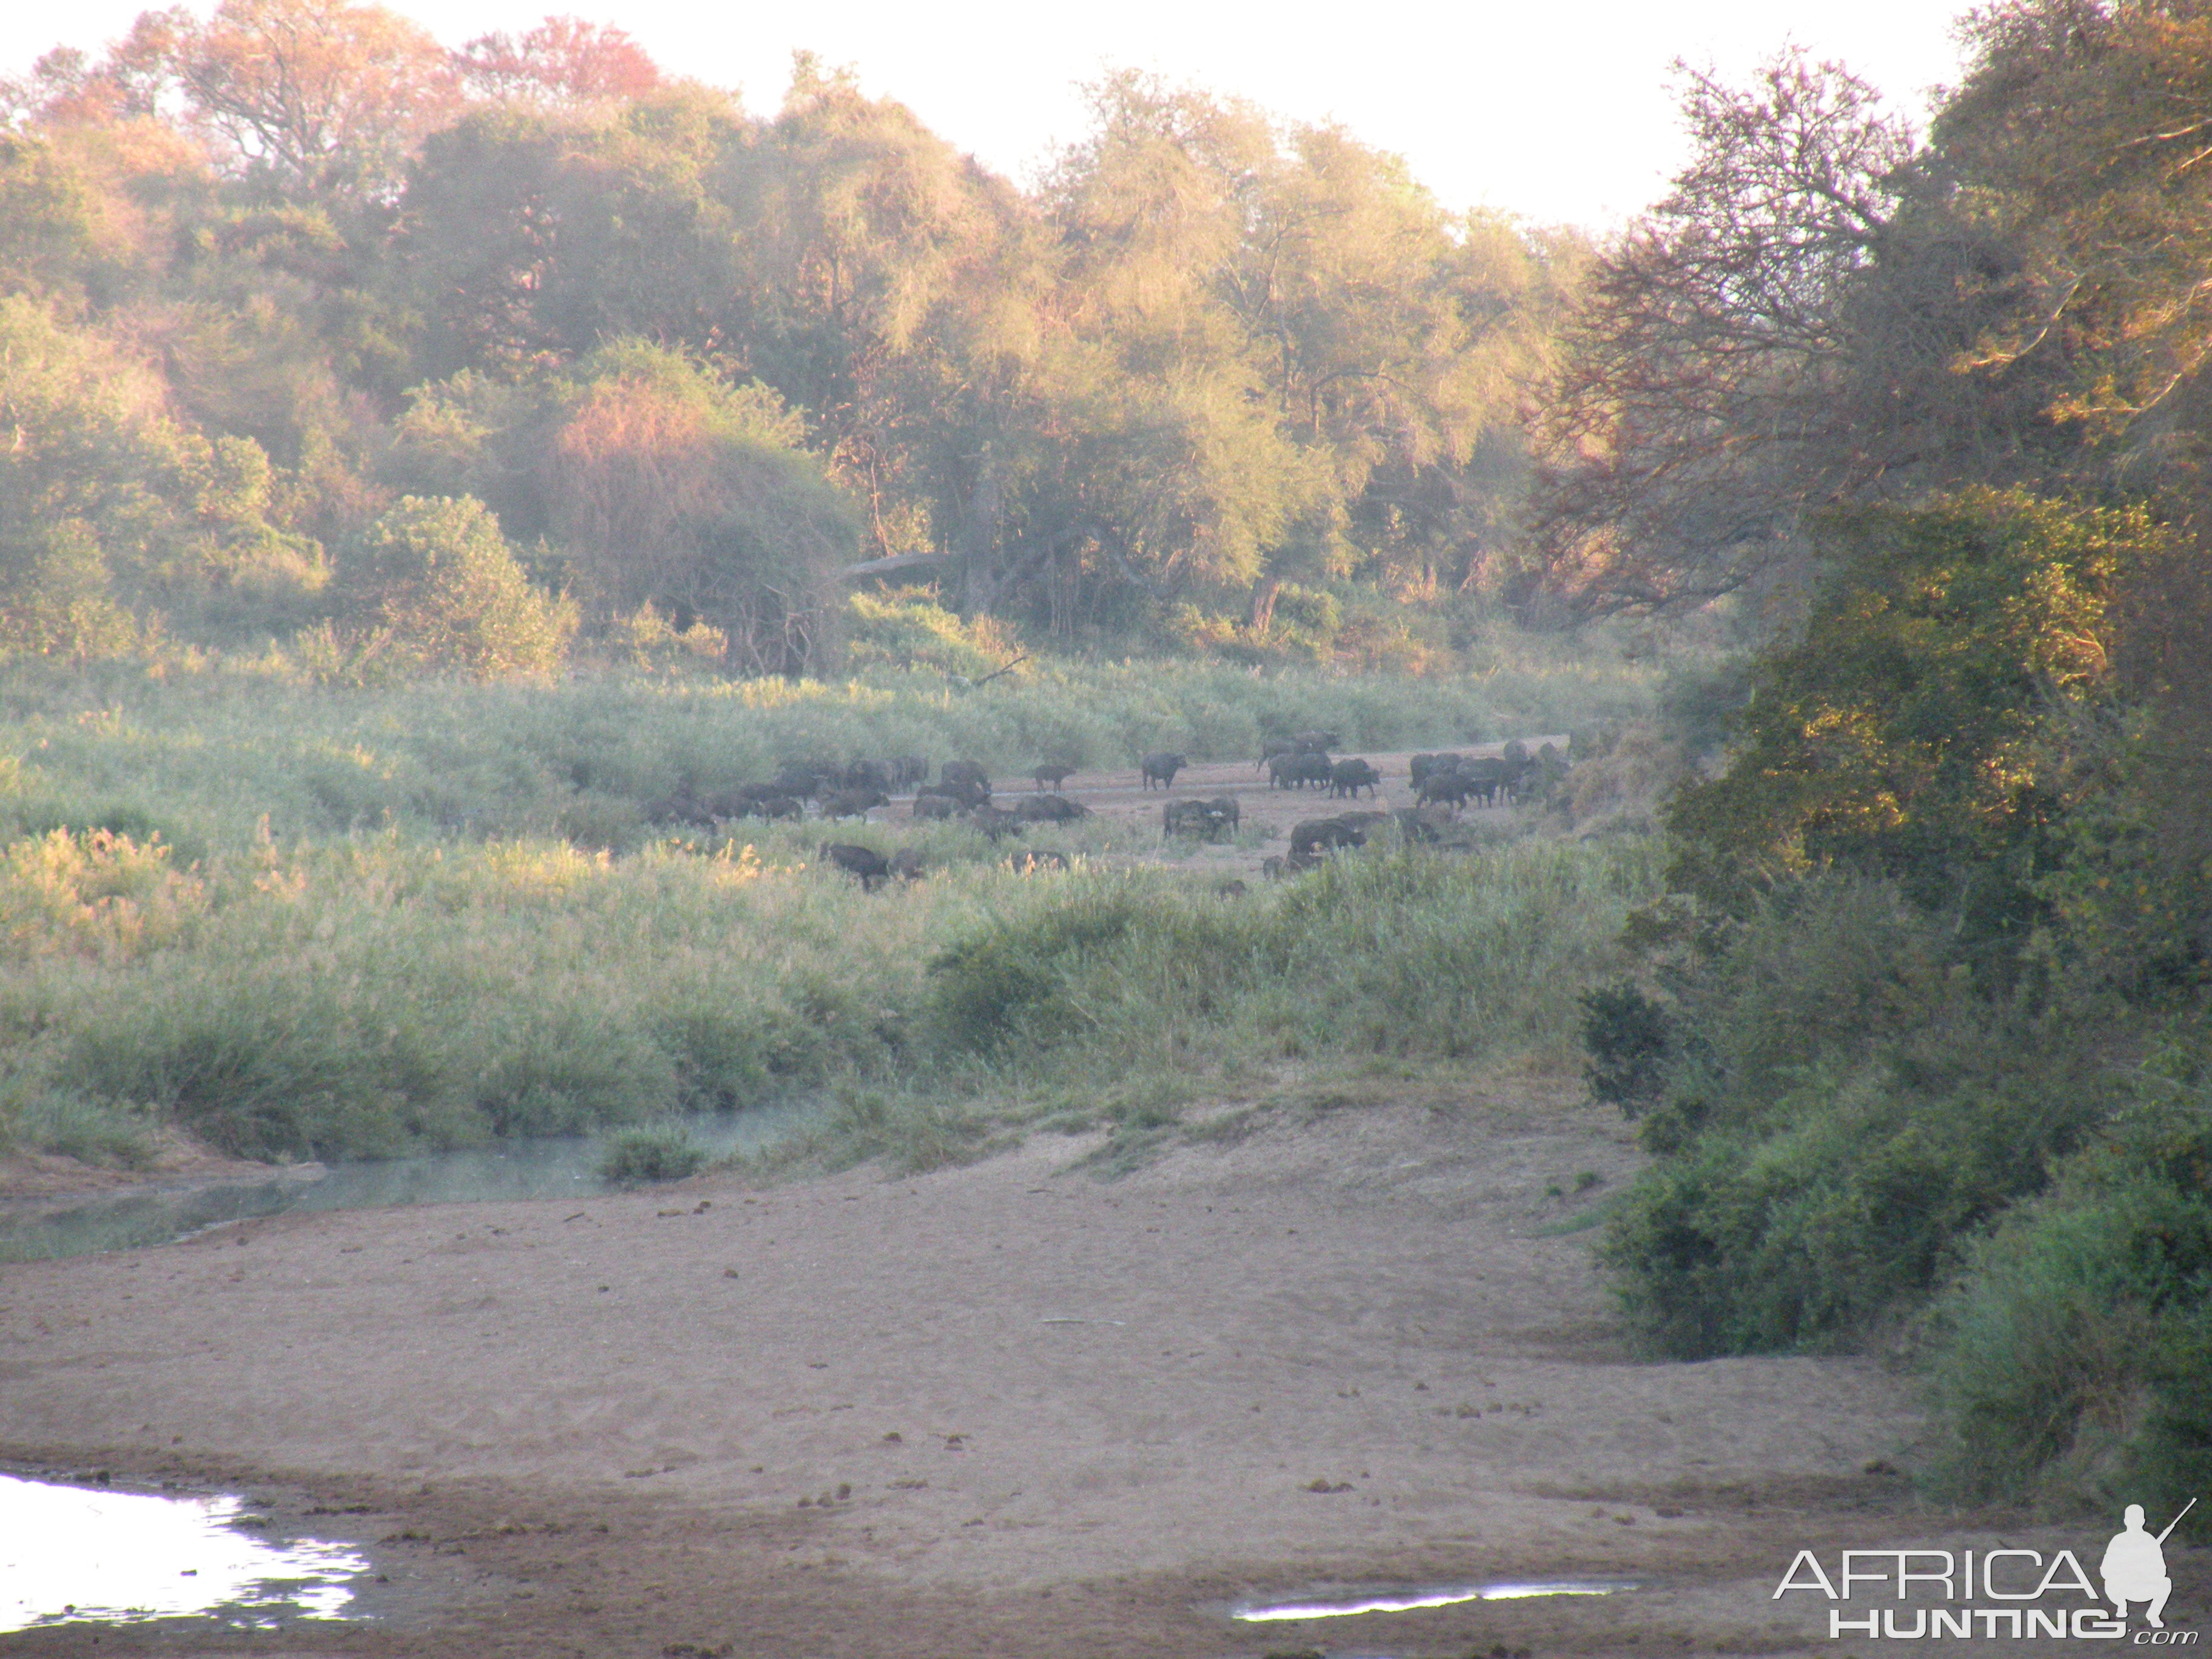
point(853, 802)
point(1049, 809)
point(969, 773)
point(772, 807)
point(1054, 775)
point(927, 806)
point(805, 782)
point(1297, 771)
point(1420, 823)
point(1316, 838)
point(1452, 787)
point(864, 774)
point(1272, 747)
point(1349, 777)
point(679, 805)
point(1426, 766)
point(865, 862)
point(1210, 819)
point(993, 821)
point(1486, 778)
point(962, 793)
point(905, 864)
point(1161, 769)
point(734, 803)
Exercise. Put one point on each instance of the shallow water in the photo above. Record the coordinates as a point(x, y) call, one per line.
point(77, 1554)
point(540, 1167)
point(1342, 1604)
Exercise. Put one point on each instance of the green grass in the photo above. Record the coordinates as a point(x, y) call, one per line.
point(301, 920)
point(636, 1157)
point(368, 997)
point(203, 750)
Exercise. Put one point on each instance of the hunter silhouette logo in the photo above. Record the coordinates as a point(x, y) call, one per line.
point(2018, 1595)
point(2134, 1568)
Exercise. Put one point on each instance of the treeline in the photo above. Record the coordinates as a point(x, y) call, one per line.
point(1921, 1038)
point(289, 287)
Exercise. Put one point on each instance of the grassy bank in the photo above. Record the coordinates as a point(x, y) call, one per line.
point(370, 997)
point(202, 750)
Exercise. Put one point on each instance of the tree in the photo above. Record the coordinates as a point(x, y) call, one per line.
point(1929, 726)
point(564, 60)
point(2083, 130)
point(320, 97)
point(438, 581)
point(669, 488)
point(1695, 417)
point(530, 232)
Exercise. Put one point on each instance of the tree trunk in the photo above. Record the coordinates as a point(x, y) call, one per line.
point(976, 545)
point(1264, 593)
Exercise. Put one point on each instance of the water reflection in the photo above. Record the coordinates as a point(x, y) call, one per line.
point(69, 1553)
point(550, 1166)
point(1405, 1600)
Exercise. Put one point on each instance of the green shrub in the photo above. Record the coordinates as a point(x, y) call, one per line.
point(1911, 733)
point(2072, 1355)
point(438, 578)
point(1404, 951)
point(907, 628)
point(1838, 1109)
point(637, 1156)
point(1626, 1034)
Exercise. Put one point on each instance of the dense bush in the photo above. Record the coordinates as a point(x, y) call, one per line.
point(1924, 916)
point(439, 581)
point(1916, 729)
point(636, 1156)
point(2073, 1358)
point(1839, 1109)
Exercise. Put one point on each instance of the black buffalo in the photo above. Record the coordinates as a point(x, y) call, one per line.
point(1349, 777)
point(1298, 770)
point(1210, 819)
point(1049, 809)
point(865, 862)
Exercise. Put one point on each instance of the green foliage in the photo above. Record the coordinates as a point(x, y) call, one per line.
point(1025, 978)
point(1624, 1032)
point(438, 579)
point(1389, 952)
point(635, 1157)
point(1839, 1108)
point(2073, 1358)
point(908, 628)
point(1911, 734)
point(56, 598)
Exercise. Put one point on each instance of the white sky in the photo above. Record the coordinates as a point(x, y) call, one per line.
point(1558, 112)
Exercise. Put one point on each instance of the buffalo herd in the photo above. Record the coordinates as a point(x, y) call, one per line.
point(1443, 785)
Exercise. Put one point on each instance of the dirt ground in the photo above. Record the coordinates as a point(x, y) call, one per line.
point(1008, 1409)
